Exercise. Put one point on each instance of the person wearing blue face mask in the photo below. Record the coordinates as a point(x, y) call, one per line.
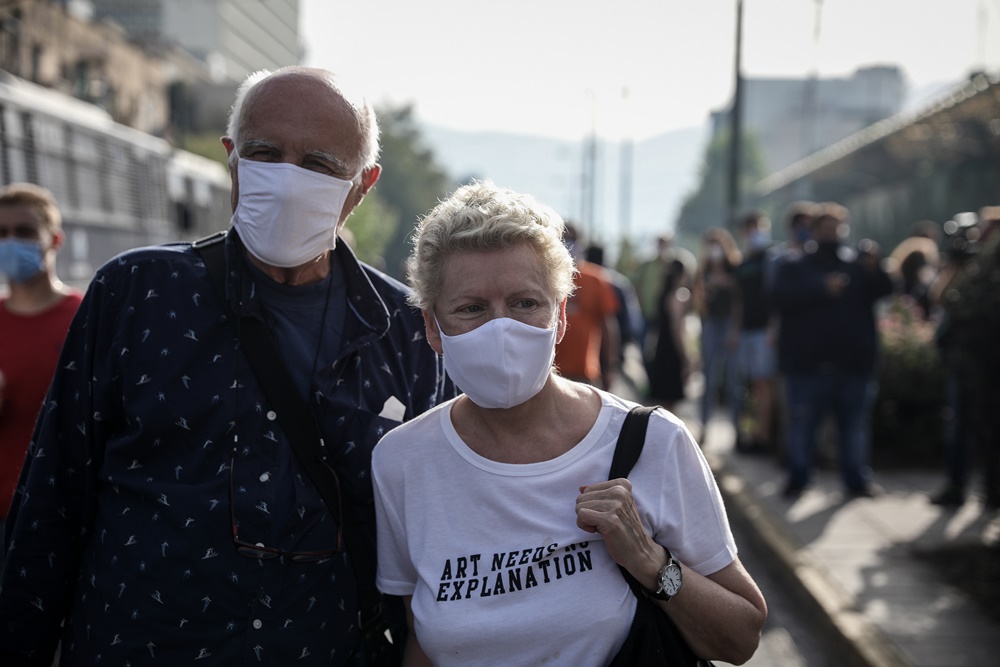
point(34, 318)
point(496, 519)
point(164, 513)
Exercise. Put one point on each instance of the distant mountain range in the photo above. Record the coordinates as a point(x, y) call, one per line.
point(665, 169)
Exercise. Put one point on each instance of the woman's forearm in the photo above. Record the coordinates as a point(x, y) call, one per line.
point(720, 616)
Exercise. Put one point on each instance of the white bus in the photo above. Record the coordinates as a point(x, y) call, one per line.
point(117, 188)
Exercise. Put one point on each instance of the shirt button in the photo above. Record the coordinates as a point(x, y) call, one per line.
point(257, 625)
point(272, 415)
point(266, 476)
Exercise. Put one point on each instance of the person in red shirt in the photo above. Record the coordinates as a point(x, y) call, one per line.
point(34, 318)
point(592, 331)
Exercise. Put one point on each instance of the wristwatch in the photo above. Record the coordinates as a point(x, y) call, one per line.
point(668, 581)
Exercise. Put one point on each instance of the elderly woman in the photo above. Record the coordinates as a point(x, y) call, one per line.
point(496, 521)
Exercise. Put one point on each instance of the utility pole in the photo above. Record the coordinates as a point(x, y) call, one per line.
point(625, 182)
point(736, 124)
point(588, 174)
point(810, 116)
point(588, 171)
point(592, 192)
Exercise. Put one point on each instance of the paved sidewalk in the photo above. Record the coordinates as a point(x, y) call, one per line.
point(854, 562)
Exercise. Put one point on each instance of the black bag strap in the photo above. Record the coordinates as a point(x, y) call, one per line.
point(673, 650)
point(630, 443)
point(298, 422)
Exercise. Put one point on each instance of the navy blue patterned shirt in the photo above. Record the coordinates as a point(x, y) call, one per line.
point(122, 526)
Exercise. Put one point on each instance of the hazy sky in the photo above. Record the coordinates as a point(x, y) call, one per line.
point(555, 67)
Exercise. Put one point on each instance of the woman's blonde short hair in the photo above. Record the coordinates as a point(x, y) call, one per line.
point(483, 217)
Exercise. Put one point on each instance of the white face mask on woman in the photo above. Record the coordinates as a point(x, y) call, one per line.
point(500, 364)
point(287, 215)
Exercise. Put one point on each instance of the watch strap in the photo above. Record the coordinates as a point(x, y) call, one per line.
point(659, 594)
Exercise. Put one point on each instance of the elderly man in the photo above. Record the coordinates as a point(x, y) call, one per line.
point(163, 514)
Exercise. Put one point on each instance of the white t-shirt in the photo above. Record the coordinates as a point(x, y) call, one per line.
point(499, 572)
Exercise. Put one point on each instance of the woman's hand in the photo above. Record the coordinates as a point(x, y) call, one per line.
point(720, 616)
point(608, 508)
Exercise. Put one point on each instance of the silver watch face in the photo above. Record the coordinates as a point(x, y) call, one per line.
point(670, 579)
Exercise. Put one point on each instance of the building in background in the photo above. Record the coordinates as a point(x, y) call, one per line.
point(793, 118)
point(94, 116)
point(227, 39)
point(168, 68)
point(926, 164)
point(234, 38)
point(54, 45)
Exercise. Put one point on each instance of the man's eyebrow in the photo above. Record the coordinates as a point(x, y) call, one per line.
point(331, 158)
point(337, 163)
point(257, 143)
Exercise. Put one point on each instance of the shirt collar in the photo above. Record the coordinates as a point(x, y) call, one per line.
point(366, 312)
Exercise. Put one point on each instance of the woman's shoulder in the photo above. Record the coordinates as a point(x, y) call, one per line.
point(660, 419)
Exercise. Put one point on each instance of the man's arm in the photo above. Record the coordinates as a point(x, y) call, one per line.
point(53, 506)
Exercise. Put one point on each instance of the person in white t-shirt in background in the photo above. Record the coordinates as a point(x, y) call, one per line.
point(494, 509)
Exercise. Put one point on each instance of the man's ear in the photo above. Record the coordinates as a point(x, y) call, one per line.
point(369, 177)
point(234, 191)
point(562, 321)
point(432, 332)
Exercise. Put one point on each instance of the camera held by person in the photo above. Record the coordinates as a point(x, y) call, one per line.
point(962, 235)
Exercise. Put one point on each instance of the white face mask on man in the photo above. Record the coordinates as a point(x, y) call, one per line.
point(287, 215)
point(500, 364)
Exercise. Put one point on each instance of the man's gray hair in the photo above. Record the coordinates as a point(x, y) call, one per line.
point(367, 121)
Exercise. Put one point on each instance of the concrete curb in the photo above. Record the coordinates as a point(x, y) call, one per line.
point(863, 644)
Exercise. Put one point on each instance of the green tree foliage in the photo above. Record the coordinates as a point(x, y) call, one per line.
point(205, 145)
point(628, 258)
point(411, 182)
point(708, 205)
point(370, 229)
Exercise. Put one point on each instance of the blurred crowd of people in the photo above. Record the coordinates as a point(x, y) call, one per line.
point(789, 334)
